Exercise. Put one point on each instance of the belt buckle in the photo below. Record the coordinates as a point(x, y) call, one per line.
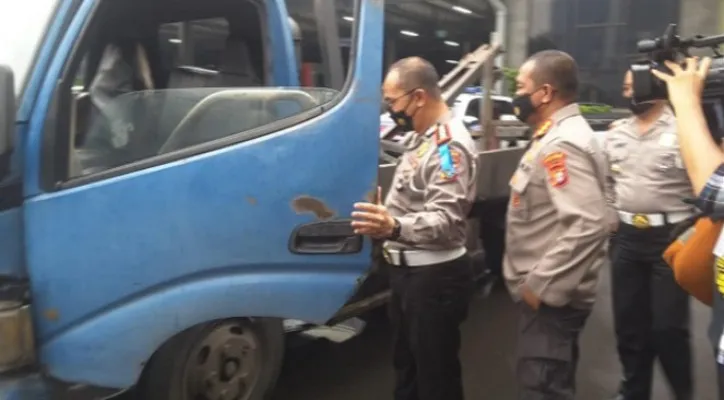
point(387, 255)
point(641, 221)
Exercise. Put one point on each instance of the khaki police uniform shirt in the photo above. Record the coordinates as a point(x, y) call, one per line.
point(645, 172)
point(556, 237)
point(432, 207)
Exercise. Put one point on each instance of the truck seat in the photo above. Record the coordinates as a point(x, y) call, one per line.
point(117, 124)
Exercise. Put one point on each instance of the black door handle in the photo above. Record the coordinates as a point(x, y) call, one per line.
point(332, 237)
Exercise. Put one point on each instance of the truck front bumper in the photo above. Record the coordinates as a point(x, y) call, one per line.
point(35, 386)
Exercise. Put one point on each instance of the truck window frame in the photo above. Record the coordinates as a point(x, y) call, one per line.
point(56, 142)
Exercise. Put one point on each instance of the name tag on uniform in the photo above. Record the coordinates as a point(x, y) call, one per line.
point(668, 140)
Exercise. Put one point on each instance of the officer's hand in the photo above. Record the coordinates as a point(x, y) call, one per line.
point(685, 84)
point(529, 297)
point(373, 219)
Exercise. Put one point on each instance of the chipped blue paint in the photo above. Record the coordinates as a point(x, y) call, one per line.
point(128, 262)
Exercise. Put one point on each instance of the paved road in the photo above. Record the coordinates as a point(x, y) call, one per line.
point(360, 369)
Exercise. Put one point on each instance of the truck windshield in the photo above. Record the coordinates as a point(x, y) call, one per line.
point(22, 26)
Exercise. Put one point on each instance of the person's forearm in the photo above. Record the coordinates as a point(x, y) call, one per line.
point(701, 154)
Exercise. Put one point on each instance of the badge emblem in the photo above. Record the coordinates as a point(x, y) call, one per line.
point(423, 149)
point(555, 165)
point(640, 221)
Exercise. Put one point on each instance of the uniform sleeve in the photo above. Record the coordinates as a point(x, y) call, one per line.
point(446, 198)
point(576, 193)
point(610, 183)
point(711, 199)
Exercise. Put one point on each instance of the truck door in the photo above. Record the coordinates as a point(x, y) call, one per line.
point(189, 197)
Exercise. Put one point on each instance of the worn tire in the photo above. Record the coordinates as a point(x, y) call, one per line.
point(183, 366)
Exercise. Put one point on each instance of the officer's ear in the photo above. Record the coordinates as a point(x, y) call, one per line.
point(420, 97)
point(548, 91)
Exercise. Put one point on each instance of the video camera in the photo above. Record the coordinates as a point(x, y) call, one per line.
point(670, 46)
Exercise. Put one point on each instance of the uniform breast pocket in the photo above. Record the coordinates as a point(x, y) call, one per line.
point(617, 157)
point(519, 206)
point(411, 189)
point(670, 162)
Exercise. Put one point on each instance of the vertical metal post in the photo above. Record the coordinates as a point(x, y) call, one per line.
point(186, 53)
point(325, 12)
point(499, 36)
point(486, 106)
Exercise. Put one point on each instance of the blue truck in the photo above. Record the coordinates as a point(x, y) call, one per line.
point(171, 197)
point(162, 213)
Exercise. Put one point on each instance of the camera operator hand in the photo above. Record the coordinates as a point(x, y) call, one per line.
point(701, 154)
point(686, 84)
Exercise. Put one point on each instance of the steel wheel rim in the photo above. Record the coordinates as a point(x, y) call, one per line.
point(225, 364)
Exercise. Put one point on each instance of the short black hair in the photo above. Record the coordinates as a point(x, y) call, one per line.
point(558, 69)
point(417, 73)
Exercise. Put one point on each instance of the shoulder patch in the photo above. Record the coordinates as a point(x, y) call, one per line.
point(450, 162)
point(555, 165)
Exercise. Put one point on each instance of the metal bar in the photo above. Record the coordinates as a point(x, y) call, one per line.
point(326, 14)
point(187, 45)
point(500, 35)
point(486, 106)
point(470, 74)
point(600, 25)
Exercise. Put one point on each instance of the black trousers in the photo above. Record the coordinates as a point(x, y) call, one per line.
point(548, 351)
point(651, 314)
point(720, 378)
point(428, 305)
point(491, 215)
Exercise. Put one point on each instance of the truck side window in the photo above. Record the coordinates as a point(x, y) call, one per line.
point(159, 79)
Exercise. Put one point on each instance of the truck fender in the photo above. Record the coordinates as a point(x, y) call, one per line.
point(110, 349)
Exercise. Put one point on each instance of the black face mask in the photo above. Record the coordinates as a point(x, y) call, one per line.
point(639, 108)
point(523, 106)
point(401, 118)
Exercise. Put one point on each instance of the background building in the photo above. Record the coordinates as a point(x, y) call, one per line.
point(602, 34)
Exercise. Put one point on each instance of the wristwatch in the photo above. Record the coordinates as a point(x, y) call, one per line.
point(396, 231)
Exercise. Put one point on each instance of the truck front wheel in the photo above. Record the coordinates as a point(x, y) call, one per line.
point(236, 359)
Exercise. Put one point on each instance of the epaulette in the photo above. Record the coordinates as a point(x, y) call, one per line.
point(543, 129)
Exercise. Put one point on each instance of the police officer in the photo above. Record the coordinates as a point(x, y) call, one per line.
point(556, 236)
point(647, 184)
point(423, 223)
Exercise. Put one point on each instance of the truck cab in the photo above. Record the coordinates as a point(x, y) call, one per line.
point(170, 194)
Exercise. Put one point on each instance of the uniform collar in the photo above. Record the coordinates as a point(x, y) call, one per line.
point(443, 120)
point(566, 112)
